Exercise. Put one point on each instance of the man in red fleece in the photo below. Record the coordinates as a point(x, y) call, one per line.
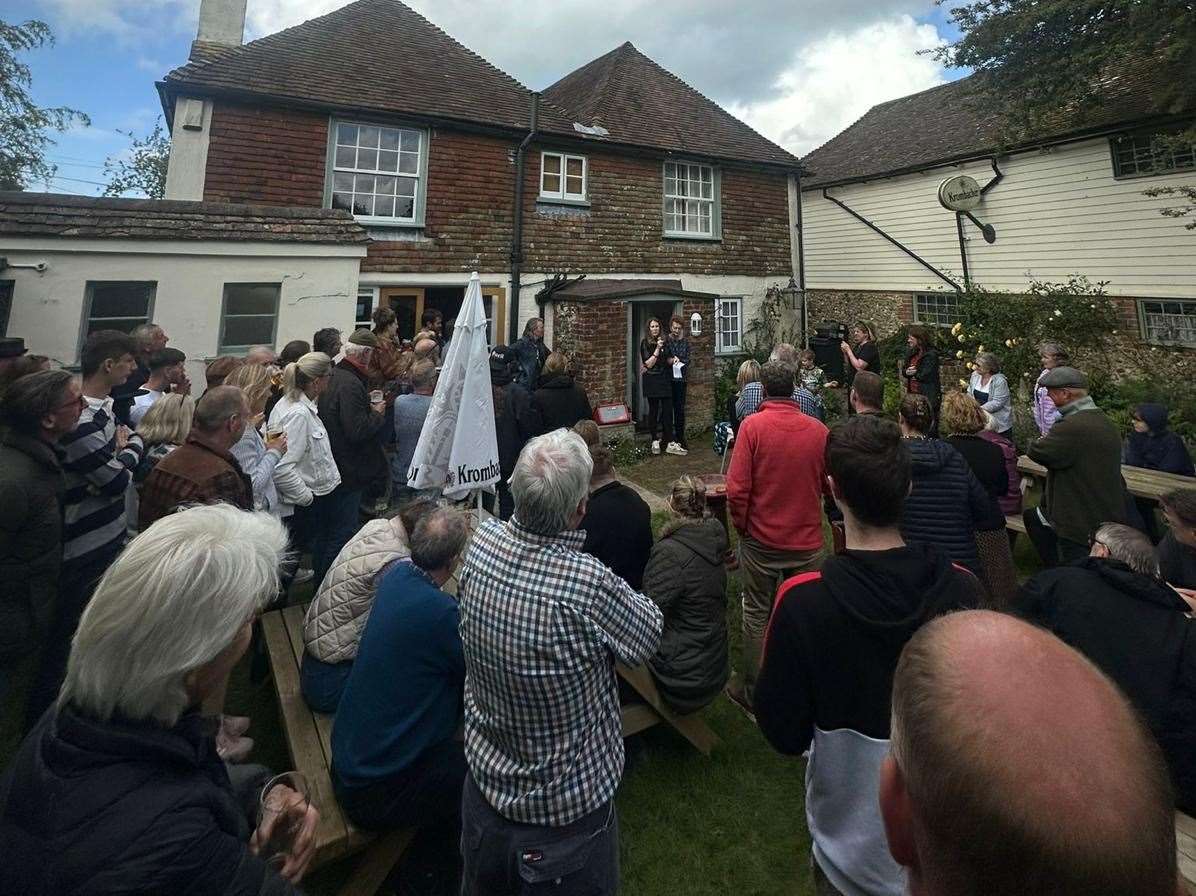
point(774, 491)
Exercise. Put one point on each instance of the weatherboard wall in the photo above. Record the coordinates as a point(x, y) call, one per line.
point(1056, 212)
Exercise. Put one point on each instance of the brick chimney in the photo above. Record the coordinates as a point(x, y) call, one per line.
point(221, 24)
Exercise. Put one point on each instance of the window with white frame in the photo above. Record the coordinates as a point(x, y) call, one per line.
point(249, 315)
point(937, 309)
point(728, 333)
point(1169, 322)
point(562, 177)
point(117, 305)
point(376, 172)
point(690, 200)
point(365, 308)
point(1142, 155)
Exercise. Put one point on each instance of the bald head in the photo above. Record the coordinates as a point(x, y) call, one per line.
point(424, 348)
point(1018, 767)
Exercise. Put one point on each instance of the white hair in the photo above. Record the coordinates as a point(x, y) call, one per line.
point(1130, 546)
point(353, 350)
point(174, 599)
point(550, 479)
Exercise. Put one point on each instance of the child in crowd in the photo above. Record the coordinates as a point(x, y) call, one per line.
point(811, 375)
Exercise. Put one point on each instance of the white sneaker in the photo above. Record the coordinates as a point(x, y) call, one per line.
point(675, 448)
point(656, 447)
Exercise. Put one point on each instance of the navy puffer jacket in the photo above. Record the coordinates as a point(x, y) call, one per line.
point(947, 504)
point(95, 808)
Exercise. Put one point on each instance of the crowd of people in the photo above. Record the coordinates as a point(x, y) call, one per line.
point(144, 531)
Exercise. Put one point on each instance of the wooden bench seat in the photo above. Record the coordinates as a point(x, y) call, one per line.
point(309, 740)
point(1185, 851)
point(1141, 483)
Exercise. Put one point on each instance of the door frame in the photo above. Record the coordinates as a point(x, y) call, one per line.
point(496, 294)
point(635, 398)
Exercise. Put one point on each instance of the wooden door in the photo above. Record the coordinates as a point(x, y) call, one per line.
point(407, 302)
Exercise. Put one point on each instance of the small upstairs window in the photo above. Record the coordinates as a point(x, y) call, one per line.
point(691, 201)
point(562, 177)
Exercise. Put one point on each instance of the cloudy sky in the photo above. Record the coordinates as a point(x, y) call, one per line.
point(799, 71)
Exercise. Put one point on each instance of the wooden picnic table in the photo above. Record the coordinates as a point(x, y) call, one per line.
point(1142, 483)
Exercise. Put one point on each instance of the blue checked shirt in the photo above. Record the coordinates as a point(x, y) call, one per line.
point(752, 397)
point(542, 624)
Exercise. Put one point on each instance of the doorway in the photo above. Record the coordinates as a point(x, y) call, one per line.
point(409, 302)
point(641, 313)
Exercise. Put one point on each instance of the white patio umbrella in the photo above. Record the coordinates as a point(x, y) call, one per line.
point(457, 449)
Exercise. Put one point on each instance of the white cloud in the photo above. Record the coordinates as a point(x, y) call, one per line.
point(835, 80)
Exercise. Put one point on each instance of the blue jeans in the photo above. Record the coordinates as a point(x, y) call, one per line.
point(335, 518)
point(323, 683)
point(506, 858)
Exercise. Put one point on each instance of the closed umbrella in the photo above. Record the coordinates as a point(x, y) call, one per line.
point(457, 449)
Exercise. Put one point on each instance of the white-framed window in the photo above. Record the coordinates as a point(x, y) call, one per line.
point(728, 326)
point(364, 316)
point(248, 315)
point(937, 309)
point(378, 173)
point(1168, 321)
point(1143, 155)
point(691, 200)
point(563, 177)
point(116, 305)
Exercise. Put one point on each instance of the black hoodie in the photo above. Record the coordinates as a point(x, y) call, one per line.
point(1136, 629)
point(825, 684)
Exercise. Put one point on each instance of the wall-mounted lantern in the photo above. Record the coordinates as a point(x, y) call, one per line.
point(695, 324)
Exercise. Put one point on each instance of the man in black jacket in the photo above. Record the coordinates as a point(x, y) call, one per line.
point(833, 643)
point(35, 412)
point(1114, 609)
point(618, 523)
point(353, 424)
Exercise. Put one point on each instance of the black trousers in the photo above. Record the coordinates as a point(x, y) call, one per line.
point(1052, 550)
point(679, 411)
point(660, 417)
point(506, 858)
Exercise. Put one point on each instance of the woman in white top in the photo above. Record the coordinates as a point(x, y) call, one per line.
point(991, 391)
point(258, 458)
point(307, 471)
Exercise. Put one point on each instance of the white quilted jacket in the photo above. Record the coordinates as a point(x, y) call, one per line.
point(336, 618)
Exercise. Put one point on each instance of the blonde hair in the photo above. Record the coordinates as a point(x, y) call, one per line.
point(299, 374)
point(168, 421)
point(255, 381)
point(749, 372)
point(688, 497)
point(555, 364)
point(961, 415)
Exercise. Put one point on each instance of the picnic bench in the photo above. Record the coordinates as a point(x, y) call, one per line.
point(309, 740)
point(1142, 483)
point(1185, 851)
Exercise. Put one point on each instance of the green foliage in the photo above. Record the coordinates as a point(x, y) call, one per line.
point(1118, 400)
point(1049, 63)
point(23, 124)
point(625, 452)
point(1011, 325)
point(142, 169)
point(769, 327)
point(1187, 202)
point(725, 385)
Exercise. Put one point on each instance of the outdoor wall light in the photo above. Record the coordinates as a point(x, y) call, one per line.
point(695, 324)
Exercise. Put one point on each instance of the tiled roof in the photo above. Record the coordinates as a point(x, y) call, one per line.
point(605, 290)
point(952, 122)
point(640, 103)
point(373, 55)
point(89, 217)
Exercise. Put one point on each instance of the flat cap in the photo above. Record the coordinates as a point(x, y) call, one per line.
point(364, 337)
point(1064, 378)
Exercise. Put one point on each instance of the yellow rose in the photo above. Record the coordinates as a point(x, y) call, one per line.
point(980, 349)
point(961, 337)
point(959, 354)
point(1008, 343)
point(963, 383)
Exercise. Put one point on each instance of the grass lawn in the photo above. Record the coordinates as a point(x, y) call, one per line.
point(733, 822)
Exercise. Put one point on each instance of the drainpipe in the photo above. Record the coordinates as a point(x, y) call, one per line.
point(801, 268)
point(517, 231)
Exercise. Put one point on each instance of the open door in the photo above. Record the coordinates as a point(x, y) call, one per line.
point(641, 313)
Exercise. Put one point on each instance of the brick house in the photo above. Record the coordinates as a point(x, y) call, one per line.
point(624, 173)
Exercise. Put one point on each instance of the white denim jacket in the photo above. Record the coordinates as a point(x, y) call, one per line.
point(307, 469)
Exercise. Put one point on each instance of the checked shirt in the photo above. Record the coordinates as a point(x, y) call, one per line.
point(753, 396)
point(542, 624)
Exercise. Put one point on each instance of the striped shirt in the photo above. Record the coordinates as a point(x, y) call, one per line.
point(753, 396)
point(96, 478)
point(542, 624)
